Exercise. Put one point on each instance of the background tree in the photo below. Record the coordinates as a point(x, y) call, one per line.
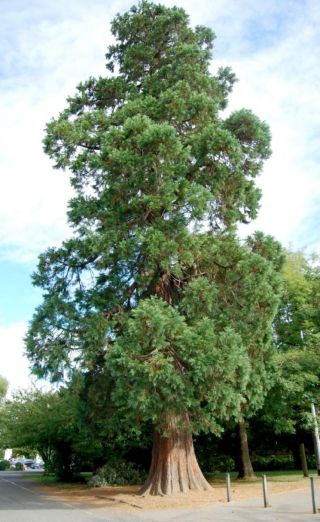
point(46, 423)
point(298, 316)
point(154, 280)
point(3, 388)
point(261, 351)
point(297, 334)
point(3, 393)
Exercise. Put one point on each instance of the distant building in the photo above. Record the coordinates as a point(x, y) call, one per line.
point(8, 454)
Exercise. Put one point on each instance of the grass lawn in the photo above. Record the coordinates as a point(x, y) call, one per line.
point(272, 476)
point(216, 478)
point(51, 479)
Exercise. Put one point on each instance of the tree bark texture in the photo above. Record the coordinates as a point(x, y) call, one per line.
point(303, 459)
point(174, 467)
point(246, 469)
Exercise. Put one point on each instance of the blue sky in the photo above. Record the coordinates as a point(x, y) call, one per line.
point(48, 46)
point(16, 297)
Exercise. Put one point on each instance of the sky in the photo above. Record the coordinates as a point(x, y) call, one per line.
point(47, 47)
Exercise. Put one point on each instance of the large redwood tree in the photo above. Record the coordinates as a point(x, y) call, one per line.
point(153, 280)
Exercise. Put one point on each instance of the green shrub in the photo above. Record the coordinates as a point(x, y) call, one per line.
point(117, 474)
point(19, 466)
point(272, 462)
point(223, 463)
point(210, 462)
point(311, 461)
point(4, 464)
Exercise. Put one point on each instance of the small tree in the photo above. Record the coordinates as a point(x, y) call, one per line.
point(42, 422)
point(154, 280)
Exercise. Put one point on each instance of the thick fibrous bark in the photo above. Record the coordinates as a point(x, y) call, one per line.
point(246, 470)
point(174, 467)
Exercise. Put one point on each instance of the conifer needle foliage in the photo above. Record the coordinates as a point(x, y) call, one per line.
point(153, 281)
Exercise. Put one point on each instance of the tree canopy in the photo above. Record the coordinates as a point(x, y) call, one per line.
point(153, 282)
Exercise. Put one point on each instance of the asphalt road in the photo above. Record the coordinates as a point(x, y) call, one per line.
point(21, 500)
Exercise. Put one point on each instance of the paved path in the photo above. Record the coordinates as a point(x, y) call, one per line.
point(22, 501)
point(286, 507)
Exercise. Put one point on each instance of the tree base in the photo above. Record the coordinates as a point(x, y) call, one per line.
point(174, 467)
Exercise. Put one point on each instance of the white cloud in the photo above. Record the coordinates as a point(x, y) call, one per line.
point(14, 366)
point(280, 83)
point(48, 48)
point(42, 65)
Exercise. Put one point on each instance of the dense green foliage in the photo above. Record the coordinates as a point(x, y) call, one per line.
point(4, 465)
point(154, 283)
point(297, 332)
point(70, 428)
point(222, 338)
point(117, 473)
point(45, 422)
point(298, 318)
point(89, 424)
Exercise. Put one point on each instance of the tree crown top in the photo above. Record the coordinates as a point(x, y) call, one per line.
point(151, 36)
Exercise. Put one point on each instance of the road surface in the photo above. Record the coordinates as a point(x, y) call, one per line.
point(21, 500)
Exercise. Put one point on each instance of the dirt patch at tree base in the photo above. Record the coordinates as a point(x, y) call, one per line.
point(127, 498)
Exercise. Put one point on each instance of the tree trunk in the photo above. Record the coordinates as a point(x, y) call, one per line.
point(174, 467)
point(246, 469)
point(303, 459)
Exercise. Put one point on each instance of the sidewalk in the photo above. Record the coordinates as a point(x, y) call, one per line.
point(285, 507)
